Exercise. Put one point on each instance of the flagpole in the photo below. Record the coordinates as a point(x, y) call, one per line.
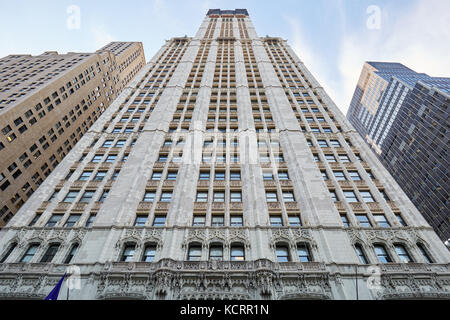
point(68, 276)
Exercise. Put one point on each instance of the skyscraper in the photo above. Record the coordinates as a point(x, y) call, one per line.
point(223, 171)
point(47, 103)
point(403, 116)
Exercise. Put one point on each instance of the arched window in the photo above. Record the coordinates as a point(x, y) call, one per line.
point(50, 253)
point(71, 254)
point(128, 252)
point(283, 253)
point(304, 253)
point(382, 254)
point(237, 252)
point(149, 253)
point(425, 253)
point(403, 253)
point(216, 252)
point(30, 253)
point(8, 253)
point(195, 252)
point(361, 254)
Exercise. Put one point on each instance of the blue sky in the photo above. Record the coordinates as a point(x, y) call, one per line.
point(331, 36)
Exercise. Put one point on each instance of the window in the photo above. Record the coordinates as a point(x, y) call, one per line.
point(199, 221)
point(140, 221)
point(115, 175)
point(8, 253)
point(382, 254)
point(71, 254)
point(363, 221)
point(267, 176)
point(323, 143)
point(87, 197)
point(107, 144)
point(424, 252)
point(344, 158)
point(400, 219)
point(370, 174)
point(219, 176)
point(85, 176)
point(367, 196)
point(236, 221)
point(271, 197)
point(35, 219)
point(172, 176)
point(53, 195)
point(344, 220)
point(403, 253)
point(236, 196)
point(128, 253)
point(30, 253)
point(324, 175)
point(217, 221)
point(54, 220)
point(111, 158)
point(330, 158)
point(50, 253)
point(237, 253)
point(288, 197)
point(335, 143)
point(216, 252)
point(354, 175)
point(70, 197)
point(90, 220)
point(294, 221)
point(235, 176)
point(204, 176)
point(304, 254)
point(202, 197)
point(283, 176)
point(361, 255)
point(339, 175)
point(97, 158)
point(276, 221)
point(166, 197)
point(282, 253)
point(194, 253)
point(103, 196)
point(350, 196)
point(160, 221)
point(219, 197)
point(157, 176)
point(381, 220)
point(334, 196)
point(73, 219)
point(149, 253)
point(100, 176)
point(149, 197)
point(120, 144)
point(384, 195)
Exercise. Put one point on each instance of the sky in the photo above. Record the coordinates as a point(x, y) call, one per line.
point(332, 37)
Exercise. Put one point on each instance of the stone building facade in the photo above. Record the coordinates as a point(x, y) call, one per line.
point(222, 171)
point(47, 103)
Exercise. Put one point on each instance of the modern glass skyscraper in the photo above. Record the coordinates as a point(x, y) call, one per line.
point(403, 116)
point(224, 171)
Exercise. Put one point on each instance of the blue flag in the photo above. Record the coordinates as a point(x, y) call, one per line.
point(55, 292)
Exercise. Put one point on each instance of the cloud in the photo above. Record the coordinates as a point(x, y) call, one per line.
point(312, 59)
point(101, 36)
point(417, 38)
